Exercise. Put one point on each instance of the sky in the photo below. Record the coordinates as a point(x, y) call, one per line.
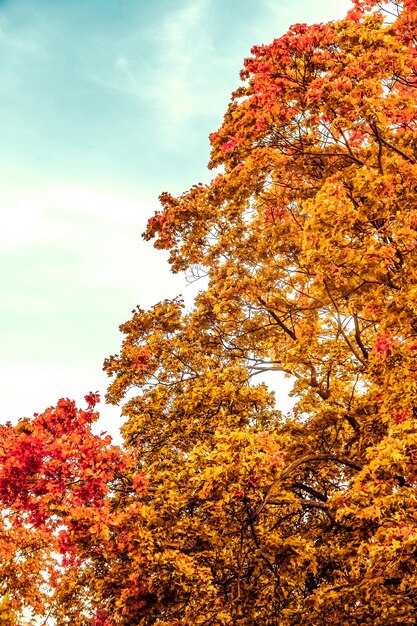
point(104, 104)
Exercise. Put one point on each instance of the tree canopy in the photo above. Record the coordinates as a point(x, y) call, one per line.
point(221, 510)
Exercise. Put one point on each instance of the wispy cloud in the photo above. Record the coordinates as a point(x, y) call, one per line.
point(183, 42)
point(23, 43)
point(282, 15)
point(174, 81)
point(131, 81)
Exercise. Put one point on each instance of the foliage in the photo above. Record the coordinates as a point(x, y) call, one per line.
point(307, 238)
point(60, 490)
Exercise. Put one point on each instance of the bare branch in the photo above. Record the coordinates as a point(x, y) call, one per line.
point(358, 337)
point(280, 323)
point(293, 466)
point(310, 490)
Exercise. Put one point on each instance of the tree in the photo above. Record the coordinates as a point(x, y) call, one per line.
point(61, 543)
point(307, 238)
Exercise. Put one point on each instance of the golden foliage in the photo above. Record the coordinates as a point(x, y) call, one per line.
point(307, 237)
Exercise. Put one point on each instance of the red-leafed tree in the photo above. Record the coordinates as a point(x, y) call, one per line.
point(64, 492)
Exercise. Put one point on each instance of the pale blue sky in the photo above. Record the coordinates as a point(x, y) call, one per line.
point(104, 104)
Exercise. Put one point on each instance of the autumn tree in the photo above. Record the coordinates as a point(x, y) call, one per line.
point(66, 495)
point(307, 238)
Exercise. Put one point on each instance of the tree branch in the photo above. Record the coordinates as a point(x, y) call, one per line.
point(280, 323)
point(358, 337)
point(293, 466)
point(310, 490)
